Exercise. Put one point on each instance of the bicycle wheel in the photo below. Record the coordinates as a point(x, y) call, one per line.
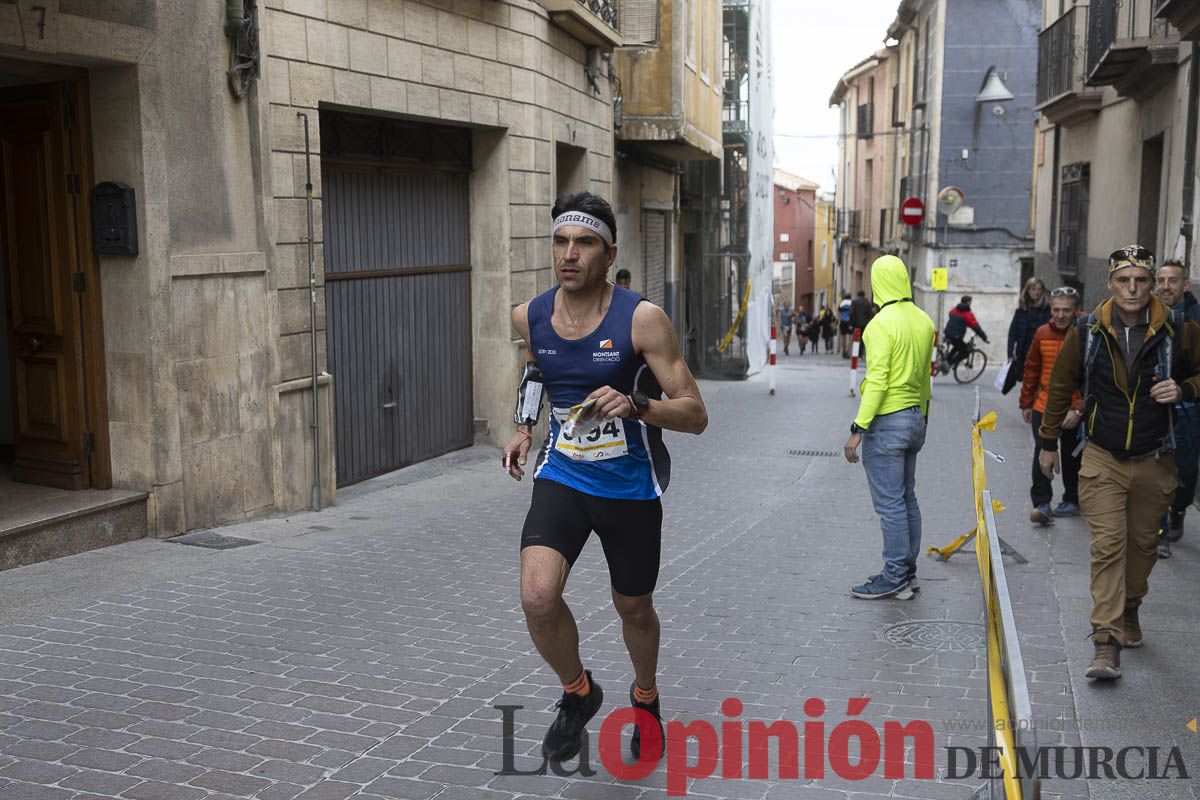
point(971, 367)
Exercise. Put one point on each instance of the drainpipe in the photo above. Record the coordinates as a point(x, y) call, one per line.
point(235, 17)
point(1189, 155)
point(312, 322)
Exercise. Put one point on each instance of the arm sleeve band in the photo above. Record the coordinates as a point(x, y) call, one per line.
point(529, 397)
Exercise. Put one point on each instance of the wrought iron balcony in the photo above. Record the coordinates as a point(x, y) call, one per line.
point(1062, 96)
point(1183, 14)
point(593, 22)
point(1129, 48)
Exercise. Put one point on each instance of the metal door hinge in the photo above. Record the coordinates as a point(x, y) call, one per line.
point(79, 283)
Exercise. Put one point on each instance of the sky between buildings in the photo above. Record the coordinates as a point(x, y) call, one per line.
point(815, 42)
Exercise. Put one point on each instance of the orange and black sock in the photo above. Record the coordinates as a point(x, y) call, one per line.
point(645, 696)
point(580, 686)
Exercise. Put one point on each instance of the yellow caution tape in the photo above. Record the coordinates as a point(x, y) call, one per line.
point(1001, 713)
point(741, 313)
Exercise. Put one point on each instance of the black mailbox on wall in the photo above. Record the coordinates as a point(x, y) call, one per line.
point(114, 220)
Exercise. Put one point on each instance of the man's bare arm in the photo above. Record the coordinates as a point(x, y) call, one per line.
point(654, 338)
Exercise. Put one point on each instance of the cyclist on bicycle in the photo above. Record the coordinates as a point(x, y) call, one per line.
point(961, 318)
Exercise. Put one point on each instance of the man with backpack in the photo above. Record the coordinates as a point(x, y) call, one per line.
point(1132, 359)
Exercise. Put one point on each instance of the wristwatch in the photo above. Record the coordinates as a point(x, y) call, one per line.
point(855, 429)
point(639, 403)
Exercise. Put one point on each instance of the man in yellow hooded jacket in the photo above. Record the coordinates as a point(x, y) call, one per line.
point(891, 424)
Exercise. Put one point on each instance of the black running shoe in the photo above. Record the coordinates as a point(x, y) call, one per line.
point(635, 745)
point(565, 736)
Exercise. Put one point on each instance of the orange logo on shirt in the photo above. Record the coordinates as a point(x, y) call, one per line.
point(606, 344)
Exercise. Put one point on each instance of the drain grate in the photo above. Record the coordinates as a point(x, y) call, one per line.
point(814, 453)
point(211, 540)
point(946, 636)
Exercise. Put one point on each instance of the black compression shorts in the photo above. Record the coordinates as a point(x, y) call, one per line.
point(630, 532)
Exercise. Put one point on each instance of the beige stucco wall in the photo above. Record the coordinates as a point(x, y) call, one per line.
point(1111, 143)
point(502, 68)
point(206, 330)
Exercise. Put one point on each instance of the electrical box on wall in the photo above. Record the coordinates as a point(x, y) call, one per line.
point(114, 220)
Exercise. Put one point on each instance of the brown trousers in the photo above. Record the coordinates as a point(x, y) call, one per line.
point(1123, 502)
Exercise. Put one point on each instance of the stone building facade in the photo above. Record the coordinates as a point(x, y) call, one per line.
point(193, 382)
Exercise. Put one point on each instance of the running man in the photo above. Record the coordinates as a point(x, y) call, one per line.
point(589, 341)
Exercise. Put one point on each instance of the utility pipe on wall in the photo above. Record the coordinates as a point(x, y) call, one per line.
point(1187, 224)
point(312, 321)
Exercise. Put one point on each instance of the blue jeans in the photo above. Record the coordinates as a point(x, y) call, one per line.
point(889, 454)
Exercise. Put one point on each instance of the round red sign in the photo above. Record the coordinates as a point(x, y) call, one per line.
point(912, 211)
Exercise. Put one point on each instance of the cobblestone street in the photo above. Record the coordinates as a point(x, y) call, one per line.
point(361, 651)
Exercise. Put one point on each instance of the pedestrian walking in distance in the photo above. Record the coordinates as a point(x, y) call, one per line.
point(605, 357)
point(1174, 288)
point(890, 425)
point(1033, 311)
point(1132, 359)
point(1047, 340)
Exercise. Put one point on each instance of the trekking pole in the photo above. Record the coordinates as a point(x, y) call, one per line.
point(312, 319)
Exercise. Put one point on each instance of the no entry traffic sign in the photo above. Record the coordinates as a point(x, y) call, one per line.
point(912, 211)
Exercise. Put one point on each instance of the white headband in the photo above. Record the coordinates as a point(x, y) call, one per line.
point(585, 220)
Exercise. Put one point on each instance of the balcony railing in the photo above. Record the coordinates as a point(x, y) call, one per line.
point(1130, 48)
point(1183, 14)
point(604, 9)
point(1056, 55)
point(1062, 96)
point(849, 224)
point(593, 22)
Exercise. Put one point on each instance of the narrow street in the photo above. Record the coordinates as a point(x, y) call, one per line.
point(362, 651)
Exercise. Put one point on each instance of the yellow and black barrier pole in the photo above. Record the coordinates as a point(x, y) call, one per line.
point(1010, 712)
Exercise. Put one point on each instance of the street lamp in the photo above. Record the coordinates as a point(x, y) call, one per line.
point(992, 90)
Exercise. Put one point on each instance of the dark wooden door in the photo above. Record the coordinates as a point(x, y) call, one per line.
point(38, 236)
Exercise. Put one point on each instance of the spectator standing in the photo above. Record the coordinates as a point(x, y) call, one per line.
point(1033, 311)
point(1035, 387)
point(1173, 288)
point(828, 328)
point(891, 425)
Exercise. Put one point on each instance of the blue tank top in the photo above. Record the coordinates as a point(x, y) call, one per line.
point(621, 458)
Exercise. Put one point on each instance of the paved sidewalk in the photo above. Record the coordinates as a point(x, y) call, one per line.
point(360, 652)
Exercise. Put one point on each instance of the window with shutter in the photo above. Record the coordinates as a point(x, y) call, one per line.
point(654, 255)
point(639, 22)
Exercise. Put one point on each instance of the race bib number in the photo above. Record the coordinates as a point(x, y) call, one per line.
point(605, 439)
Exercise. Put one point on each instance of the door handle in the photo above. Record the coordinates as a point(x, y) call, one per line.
point(35, 344)
point(390, 405)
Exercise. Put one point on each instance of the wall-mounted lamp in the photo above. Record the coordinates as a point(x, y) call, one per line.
point(992, 90)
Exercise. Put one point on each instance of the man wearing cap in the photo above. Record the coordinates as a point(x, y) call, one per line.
point(603, 466)
point(1132, 360)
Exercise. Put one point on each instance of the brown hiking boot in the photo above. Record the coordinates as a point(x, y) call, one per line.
point(1133, 628)
point(1106, 664)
